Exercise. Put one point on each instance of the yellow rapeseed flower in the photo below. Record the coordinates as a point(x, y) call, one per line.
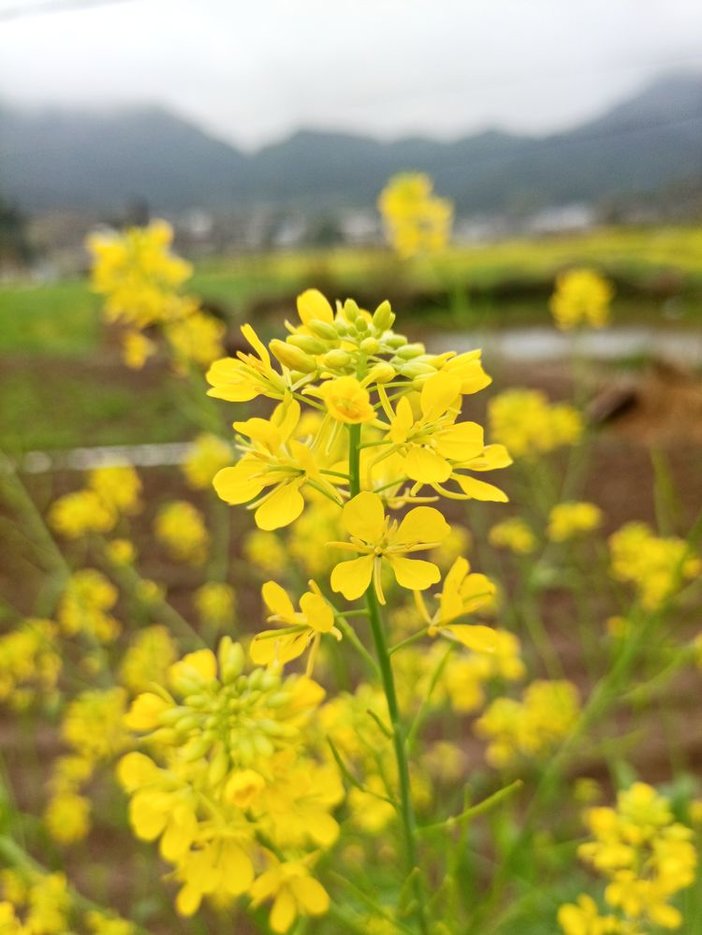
point(277, 465)
point(513, 534)
point(567, 520)
point(581, 297)
point(180, 528)
point(297, 630)
point(378, 537)
point(347, 400)
point(293, 892)
point(415, 219)
point(207, 455)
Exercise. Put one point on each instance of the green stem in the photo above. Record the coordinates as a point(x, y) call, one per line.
point(408, 818)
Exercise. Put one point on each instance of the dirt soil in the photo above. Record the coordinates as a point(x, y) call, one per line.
point(655, 413)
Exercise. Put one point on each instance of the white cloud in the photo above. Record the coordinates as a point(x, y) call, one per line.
point(254, 71)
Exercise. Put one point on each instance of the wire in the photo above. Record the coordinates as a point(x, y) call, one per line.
point(42, 7)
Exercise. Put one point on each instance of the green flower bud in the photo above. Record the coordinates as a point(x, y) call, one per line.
point(350, 310)
point(263, 745)
point(218, 768)
point(395, 340)
point(307, 343)
point(336, 359)
point(292, 357)
point(415, 368)
point(196, 748)
point(411, 350)
point(323, 330)
point(231, 659)
point(383, 317)
point(381, 373)
point(370, 345)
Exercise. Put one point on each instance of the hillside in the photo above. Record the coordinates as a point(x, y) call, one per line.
point(99, 161)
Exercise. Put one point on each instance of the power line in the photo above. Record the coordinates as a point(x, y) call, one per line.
point(43, 7)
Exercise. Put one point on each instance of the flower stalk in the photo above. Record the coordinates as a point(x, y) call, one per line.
point(399, 739)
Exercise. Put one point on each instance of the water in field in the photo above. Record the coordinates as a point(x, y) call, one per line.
point(533, 344)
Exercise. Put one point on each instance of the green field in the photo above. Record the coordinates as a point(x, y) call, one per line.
point(505, 280)
point(63, 385)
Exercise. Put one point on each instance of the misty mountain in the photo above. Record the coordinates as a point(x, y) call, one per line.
point(54, 159)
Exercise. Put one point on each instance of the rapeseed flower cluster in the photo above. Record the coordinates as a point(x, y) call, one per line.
point(231, 785)
point(181, 530)
point(568, 520)
point(416, 220)
point(366, 431)
point(85, 604)
point(581, 297)
point(530, 426)
point(141, 281)
point(92, 727)
point(30, 664)
point(646, 856)
point(109, 494)
point(36, 903)
point(656, 566)
point(513, 534)
point(531, 727)
point(207, 454)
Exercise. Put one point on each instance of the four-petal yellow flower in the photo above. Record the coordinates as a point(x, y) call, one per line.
point(297, 629)
point(379, 538)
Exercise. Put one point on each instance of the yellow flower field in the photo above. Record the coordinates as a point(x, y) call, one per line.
point(376, 656)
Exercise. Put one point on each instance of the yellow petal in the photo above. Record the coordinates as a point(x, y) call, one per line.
point(403, 421)
point(135, 770)
point(311, 896)
point(491, 458)
point(237, 869)
point(240, 483)
point(263, 431)
point(321, 827)
point(456, 574)
point(364, 517)
point(479, 489)
point(278, 646)
point(425, 465)
point(280, 508)
point(147, 816)
point(312, 304)
point(476, 591)
point(414, 573)
point(286, 416)
point(277, 601)
point(352, 578)
point(475, 637)
point(461, 442)
point(438, 393)
point(178, 835)
point(422, 524)
point(318, 613)
point(256, 343)
point(470, 370)
point(188, 900)
point(229, 381)
point(283, 913)
point(145, 712)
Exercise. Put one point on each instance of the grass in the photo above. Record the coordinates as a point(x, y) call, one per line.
point(57, 395)
point(59, 409)
point(60, 318)
point(506, 281)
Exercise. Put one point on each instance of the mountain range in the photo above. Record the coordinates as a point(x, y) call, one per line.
point(67, 159)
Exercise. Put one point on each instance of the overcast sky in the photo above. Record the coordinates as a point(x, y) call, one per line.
point(253, 70)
